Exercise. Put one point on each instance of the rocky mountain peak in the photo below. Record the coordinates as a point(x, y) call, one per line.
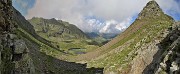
point(152, 9)
point(140, 43)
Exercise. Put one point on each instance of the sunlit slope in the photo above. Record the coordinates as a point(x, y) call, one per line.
point(148, 27)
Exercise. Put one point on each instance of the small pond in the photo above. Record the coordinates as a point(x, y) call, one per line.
point(77, 50)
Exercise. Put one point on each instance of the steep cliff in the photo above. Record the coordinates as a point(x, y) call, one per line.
point(14, 54)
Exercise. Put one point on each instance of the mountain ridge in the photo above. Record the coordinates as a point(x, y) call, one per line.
point(49, 25)
point(63, 35)
point(134, 27)
point(128, 51)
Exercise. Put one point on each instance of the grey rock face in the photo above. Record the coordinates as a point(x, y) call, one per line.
point(14, 58)
point(20, 47)
point(151, 9)
point(173, 57)
point(169, 62)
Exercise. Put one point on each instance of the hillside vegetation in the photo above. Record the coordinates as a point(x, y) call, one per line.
point(63, 35)
point(137, 41)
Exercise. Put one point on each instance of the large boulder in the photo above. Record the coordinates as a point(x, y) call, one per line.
point(20, 47)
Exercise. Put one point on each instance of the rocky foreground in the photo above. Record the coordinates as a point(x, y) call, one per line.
point(14, 57)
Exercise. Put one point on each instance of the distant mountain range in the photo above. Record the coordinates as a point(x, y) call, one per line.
point(104, 35)
point(59, 28)
point(56, 28)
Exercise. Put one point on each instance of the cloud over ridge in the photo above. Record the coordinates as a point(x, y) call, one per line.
point(104, 16)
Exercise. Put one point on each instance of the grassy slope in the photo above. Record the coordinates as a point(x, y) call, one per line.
point(53, 42)
point(123, 47)
point(47, 59)
point(150, 23)
point(26, 26)
point(147, 32)
point(43, 47)
point(72, 37)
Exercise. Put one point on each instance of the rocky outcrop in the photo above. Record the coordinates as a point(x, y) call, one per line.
point(152, 9)
point(168, 62)
point(14, 57)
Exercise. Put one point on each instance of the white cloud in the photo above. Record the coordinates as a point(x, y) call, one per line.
point(115, 27)
point(93, 25)
point(124, 24)
point(115, 14)
point(170, 6)
point(110, 27)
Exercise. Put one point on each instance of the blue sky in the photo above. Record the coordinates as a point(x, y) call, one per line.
point(105, 16)
point(23, 5)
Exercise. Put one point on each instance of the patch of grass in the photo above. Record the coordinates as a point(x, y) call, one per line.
point(145, 33)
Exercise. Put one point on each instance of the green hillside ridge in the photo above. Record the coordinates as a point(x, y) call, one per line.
point(64, 35)
point(26, 26)
point(50, 60)
point(117, 55)
point(72, 37)
point(56, 28)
